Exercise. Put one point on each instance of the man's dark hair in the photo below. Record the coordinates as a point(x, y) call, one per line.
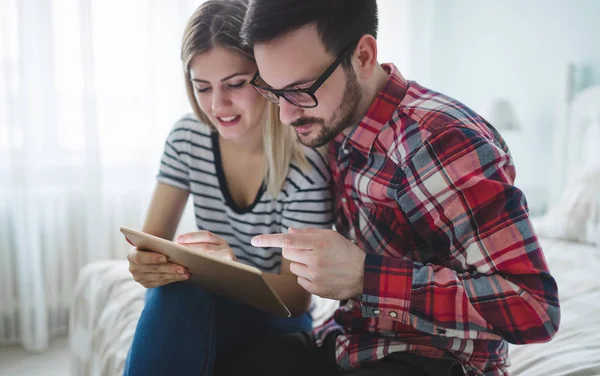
point(340, 23)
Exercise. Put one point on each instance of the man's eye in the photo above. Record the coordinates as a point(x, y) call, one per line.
point(302, 87)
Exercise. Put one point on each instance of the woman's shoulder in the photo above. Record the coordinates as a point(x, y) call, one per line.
point(189, 124)
point(315, 175)
point(189, 130)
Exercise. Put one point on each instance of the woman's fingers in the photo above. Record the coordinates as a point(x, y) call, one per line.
point(149, 279)
point(145, 257)
point(226, 253)
point(163, 278)
point(200, 237)
point(168, 268)
point(204, 247)
point(151, 269)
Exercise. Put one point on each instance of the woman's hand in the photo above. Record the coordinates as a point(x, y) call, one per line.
point(207, 242)
point(151, 269)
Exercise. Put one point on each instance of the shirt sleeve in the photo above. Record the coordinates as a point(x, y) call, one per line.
point(174, 164)
point(310, 201)
point(492, 281)
point(308, 208)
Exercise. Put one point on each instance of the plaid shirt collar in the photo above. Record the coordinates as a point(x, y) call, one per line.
point(380, 112)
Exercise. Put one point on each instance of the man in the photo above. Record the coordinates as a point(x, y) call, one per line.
point(443, 266)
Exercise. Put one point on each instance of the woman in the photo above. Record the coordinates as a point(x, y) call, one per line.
point(248, 175)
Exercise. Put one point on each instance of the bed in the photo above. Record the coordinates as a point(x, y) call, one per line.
point(107, 302)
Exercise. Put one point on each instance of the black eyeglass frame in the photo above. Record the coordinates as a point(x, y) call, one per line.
point(281, 93)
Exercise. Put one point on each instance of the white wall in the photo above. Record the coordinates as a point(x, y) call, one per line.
point(474, 50)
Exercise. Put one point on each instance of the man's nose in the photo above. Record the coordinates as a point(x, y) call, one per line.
point(288, 112)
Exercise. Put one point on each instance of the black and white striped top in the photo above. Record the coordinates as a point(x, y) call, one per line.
point(192, 161)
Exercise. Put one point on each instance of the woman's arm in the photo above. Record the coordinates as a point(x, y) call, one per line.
point(286, 286)
point(165, 211)
point(151, 269)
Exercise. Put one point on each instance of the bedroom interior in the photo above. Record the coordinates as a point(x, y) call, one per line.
point(75, 169)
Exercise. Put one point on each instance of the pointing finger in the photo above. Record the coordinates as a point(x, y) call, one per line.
point(305, 241)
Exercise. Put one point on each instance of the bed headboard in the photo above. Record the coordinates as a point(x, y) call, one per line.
point(576, 145)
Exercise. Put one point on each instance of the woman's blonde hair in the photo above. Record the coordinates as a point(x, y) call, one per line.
point(218, 23)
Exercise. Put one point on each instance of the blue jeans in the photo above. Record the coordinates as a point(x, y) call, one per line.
point(184, 329)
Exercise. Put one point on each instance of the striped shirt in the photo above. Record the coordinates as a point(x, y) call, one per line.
point(453, 266)
point(192, 161)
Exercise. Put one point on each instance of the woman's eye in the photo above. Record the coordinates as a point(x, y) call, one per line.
point(237, 84)
point(202, 89)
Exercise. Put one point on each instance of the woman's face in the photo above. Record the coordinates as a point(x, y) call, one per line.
point(221, 81)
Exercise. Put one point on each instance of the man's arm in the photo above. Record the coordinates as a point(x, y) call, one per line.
point(493, 281)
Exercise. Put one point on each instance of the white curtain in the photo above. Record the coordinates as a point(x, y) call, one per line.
point(89, 89)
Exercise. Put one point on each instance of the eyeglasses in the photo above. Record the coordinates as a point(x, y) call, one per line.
point(304, 98)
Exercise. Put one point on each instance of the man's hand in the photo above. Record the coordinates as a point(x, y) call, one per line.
point(326, 263)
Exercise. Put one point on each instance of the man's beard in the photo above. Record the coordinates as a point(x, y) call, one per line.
point(345, 116)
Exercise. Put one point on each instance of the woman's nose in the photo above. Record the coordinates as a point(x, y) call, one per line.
point(220, 100)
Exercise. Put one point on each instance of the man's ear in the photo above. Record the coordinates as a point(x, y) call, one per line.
point(364, 58)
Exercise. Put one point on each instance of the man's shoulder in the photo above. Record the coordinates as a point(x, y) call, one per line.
point(423, 115)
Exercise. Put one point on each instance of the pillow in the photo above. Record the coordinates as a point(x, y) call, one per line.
point(576, 216)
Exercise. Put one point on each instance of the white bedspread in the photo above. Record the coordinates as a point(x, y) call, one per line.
point(108, 303)
point(106, 307)
point(575, 350)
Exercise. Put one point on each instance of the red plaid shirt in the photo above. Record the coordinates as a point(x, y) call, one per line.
point(453, 265)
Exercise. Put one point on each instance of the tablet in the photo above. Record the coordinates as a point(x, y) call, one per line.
point(218, 275)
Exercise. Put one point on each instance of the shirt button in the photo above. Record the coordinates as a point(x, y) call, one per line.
point(344, 200)
point(376, 312)
point(393, 314)
point(345, 151)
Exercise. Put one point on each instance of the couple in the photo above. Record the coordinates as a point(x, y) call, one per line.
point(434, 260)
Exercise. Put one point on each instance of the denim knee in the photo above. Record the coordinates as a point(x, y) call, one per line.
point(175, 293)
